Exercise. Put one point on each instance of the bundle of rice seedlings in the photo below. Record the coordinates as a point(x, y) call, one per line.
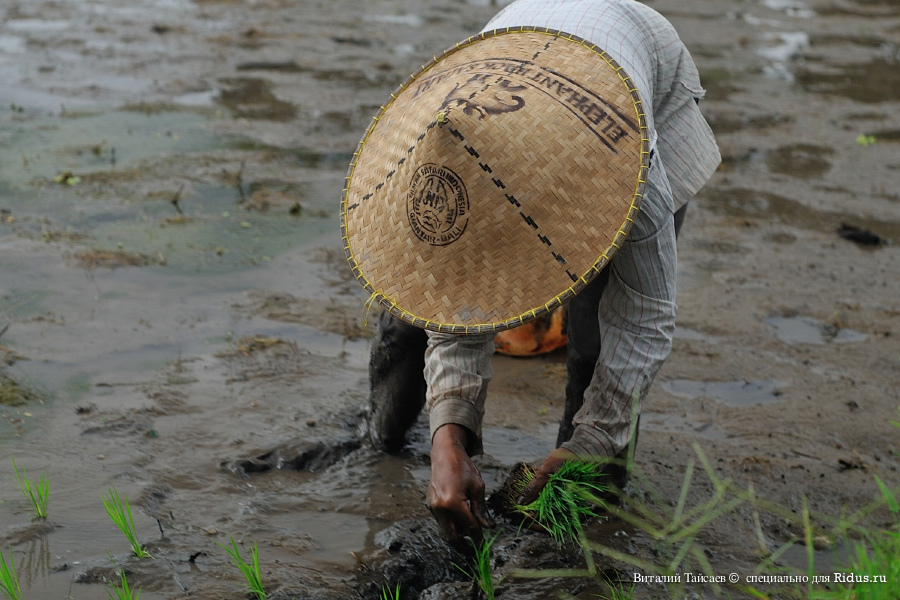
point(572, 494)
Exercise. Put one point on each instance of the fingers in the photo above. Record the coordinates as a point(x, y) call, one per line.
point(456, 491)
point(479, 509)
point(550, 466)
point(458, 523)
point(534, 487)
point(458, 512)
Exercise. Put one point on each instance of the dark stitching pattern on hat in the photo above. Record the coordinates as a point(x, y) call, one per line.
point(538, 53)
point(399, 162)
point(513, 200)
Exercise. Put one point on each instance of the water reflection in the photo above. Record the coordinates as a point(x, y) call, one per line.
point(34, 565)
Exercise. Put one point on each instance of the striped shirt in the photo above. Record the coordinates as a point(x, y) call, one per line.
point(637, 309)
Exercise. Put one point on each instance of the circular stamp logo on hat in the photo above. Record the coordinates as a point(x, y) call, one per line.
point(437, 205)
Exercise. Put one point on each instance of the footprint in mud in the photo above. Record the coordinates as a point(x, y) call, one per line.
point(310, 453)
point(252, 98)
point(413, 554)
point(298, 455)
point(804, 161)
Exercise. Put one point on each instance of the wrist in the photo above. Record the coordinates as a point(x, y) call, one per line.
point(451, 437)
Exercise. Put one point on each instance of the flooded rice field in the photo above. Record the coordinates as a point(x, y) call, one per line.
point(177, 322)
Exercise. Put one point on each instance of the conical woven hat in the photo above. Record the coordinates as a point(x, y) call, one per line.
point(496, 182)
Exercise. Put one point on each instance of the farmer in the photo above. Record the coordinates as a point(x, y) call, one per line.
point(547, 161)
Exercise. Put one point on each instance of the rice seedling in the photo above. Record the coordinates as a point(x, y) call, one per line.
point(618, 591)
point(120, 513)
point(9, 581)
point(481, 574)
point(387, 594)
point(674, 529)
point(571, 494)
point(36, 493)
point(251, 571)
point(674, 526)
point(123, 591)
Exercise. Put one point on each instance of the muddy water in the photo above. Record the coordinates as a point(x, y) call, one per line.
point(176, 301)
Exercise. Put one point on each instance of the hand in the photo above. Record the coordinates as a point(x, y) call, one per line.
point(550, 466)
point(456, 490)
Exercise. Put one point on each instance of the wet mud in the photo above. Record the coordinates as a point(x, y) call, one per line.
point(177, 320)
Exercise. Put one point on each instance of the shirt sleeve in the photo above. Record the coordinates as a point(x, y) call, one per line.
point(458, 371)
point(685, 141)
point(637, 322)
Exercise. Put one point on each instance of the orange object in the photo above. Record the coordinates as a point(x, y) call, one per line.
point(540, 336)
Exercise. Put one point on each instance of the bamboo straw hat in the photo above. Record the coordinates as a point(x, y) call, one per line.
point(496, 182)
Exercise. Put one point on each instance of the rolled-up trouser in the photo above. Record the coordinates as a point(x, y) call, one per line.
point(396, 381)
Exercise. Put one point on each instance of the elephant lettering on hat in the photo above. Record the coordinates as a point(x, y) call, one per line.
point(477, 95)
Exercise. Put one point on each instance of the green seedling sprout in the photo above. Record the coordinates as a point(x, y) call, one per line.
point(36, 493)
point(571, 494)
point(124, 591)
point(120, 513)
point(9, 581)
point(250, 571)
point(618, 591)
point(387, 594)
point(481, 574)
point(876, 563)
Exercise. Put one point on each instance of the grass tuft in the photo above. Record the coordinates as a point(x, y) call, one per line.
point(571, 494)
point(36, 493)
point(251, 571)
point(9, 581)
point(120, 513)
